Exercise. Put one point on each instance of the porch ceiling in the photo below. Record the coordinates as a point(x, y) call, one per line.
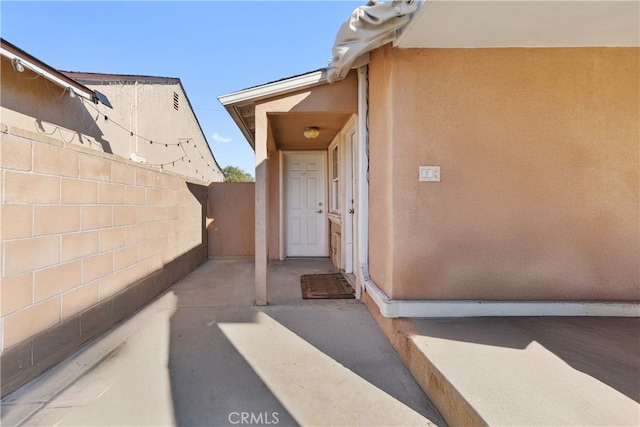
point(288, 128)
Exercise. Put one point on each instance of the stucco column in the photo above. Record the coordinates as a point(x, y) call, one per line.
point(260, 297)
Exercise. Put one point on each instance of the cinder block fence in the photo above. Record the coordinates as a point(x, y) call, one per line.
point(87, 239)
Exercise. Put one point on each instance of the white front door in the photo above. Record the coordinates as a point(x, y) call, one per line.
point(305, 210)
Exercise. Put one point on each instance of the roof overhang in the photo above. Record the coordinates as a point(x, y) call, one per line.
point(484, 24)
point(522, 23)
point(241, 104)
point(18, 56)
point(106, 79)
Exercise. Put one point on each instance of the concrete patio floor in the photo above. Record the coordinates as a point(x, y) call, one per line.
point(202, 355)
point(524, 371)
point(539, 371)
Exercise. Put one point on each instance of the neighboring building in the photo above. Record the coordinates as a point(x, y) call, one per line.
point(145, 119)
point(157, 121)
point(88, 235)
point(470, 158)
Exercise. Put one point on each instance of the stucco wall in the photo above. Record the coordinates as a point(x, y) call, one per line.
point(232, 215)
point(539, 153)
point(87, 238)
point(380, 169)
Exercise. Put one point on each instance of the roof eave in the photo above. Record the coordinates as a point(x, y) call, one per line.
point(104, 78)
point(280, 87)
point(237, 118)
point(13, 52)
point(250, 96)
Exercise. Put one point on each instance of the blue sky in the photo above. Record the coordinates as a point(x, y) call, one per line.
point(214, 47)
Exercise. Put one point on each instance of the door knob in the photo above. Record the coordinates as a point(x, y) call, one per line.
point(319, 211)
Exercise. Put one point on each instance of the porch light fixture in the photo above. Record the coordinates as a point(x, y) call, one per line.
point(311, 132)
point(72, 93)
point(17, 65)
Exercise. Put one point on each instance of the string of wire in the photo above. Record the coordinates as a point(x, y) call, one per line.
point(180, 143)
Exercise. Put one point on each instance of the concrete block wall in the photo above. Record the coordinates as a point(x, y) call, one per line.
point(87, 238)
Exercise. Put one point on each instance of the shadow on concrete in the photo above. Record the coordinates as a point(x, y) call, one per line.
point(295, 362)
point(202, 354)
point(23, 93)
point(211, 382)
point(605, 348)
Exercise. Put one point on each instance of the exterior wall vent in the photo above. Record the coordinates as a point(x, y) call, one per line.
point(176, 100)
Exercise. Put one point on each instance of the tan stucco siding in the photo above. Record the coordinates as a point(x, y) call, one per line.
point(160, 113)
point(380, 169)
point(540, 190)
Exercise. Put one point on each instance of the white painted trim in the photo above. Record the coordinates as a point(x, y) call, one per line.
point(361, 264)
point(281, 254)
point(275, 88)
point(474, 308)
point(348, 262)
point(402, 33)
point(336, 214)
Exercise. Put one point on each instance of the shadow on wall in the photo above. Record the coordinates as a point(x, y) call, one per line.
point(57, 114)
point(49, 128)
point(31, 357)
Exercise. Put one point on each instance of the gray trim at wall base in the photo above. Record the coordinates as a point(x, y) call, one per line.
point(27, 359)
point(480, 308)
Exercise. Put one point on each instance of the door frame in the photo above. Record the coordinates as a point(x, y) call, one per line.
point(350, 201)
point(281, 194)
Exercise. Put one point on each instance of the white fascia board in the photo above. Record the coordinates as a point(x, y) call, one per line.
point(47, 75)
point(412, 23)
point(472, 308)
point(276, 88)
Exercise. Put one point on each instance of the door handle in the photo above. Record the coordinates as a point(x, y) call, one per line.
point(319, 211)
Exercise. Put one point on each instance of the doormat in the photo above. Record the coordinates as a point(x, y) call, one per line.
point(325, 286)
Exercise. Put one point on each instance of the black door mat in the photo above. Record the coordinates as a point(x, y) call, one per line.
point(325, 286)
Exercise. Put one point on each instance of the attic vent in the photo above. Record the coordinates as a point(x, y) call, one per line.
point(175, 101)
